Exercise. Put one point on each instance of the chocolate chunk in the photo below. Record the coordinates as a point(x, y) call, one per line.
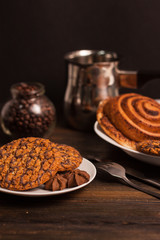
point(77, 177)
point(67, 179)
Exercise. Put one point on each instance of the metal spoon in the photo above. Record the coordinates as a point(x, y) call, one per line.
point(118, 171)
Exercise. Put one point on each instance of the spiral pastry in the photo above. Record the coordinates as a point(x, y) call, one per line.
point(130, 118)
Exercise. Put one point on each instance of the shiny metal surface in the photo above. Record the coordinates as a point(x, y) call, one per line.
point(92, 77)
point(89, 57)
point(118, 171)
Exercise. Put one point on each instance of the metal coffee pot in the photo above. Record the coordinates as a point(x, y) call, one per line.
point(92, 76)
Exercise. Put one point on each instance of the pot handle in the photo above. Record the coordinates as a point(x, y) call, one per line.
point(136, 79)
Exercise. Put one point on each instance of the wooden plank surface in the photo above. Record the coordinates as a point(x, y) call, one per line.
point(105, 209)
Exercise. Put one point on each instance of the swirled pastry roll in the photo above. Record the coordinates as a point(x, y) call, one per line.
point(130, 118)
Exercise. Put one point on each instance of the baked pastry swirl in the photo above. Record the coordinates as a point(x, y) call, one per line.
point(130, 118)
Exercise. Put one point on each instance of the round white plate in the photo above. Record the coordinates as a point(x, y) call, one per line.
point(41, 192)
point(138, 155)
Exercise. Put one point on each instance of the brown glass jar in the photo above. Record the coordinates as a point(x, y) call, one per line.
point(29, 112)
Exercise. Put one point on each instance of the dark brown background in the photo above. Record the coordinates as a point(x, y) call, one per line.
point(35, 35)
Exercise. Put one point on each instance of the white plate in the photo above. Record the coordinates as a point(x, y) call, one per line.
point(41, 192)
point(138, 155)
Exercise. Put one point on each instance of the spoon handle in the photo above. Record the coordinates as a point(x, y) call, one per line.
point(154, 194)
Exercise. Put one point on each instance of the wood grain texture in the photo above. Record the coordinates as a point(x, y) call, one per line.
point(105, 209)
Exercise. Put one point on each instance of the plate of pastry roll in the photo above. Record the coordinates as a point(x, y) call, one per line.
point(131, 122)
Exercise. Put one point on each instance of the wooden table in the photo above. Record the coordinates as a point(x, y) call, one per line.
point(105, 209)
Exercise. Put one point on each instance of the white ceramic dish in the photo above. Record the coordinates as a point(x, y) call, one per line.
point(135, 154)
point(41, 192)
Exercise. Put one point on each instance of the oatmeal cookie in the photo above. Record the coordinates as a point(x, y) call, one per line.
point(27, 163)
point(149, 147)
point(68, 157)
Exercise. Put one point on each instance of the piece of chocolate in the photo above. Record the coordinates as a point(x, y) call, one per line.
point(77, 177)
point(59, 182)
point(67, 179)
